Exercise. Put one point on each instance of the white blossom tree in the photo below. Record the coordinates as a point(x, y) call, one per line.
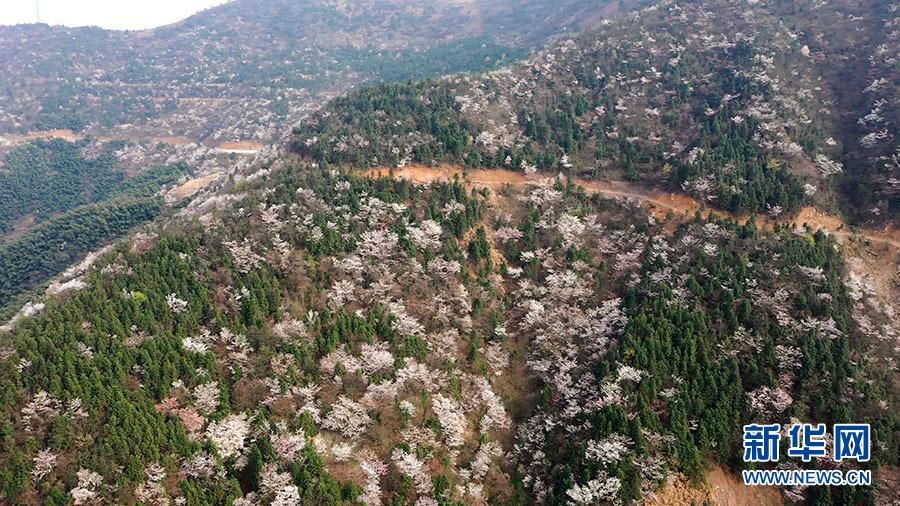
point(229, 435)
point(177, 305)
point(88, 486)
point(43, 462)
point(348, 418)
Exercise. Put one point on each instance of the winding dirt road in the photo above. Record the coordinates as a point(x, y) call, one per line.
point(659, 203)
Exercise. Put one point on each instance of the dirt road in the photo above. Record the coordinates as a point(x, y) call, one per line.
point(659, 203)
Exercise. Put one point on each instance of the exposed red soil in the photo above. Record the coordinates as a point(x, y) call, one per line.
point(241, 146)
point(659, 203)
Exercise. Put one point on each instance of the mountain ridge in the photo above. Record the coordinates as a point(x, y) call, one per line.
point(728, 104)
point(239, 52)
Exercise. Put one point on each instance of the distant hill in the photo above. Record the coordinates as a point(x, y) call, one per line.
point(243, 70)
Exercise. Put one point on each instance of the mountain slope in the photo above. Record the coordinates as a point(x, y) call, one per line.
point(724, 100)
point(306, 334)
point(57, 205)
point(321, 338)
point(241, 72)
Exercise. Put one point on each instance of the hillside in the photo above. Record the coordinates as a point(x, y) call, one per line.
point(317, 337)
point(750, 107)
point(246, 70)
point(211, 92)
point(378, 314)
point(59, 201)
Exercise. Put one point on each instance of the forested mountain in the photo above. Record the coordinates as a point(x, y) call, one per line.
point(244, 70)
point(240, 72)
point(318, 337)
point(305, 333)
point(749, 106)
point(42, 178)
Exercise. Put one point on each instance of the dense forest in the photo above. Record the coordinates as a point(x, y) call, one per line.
point(46, 177)
point(76, 204)
point(302, 334)
point(324, 338)
point(428, 121)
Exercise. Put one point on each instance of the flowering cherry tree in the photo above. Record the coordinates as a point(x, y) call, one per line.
point(229, 435)
point(43, 464)
point(348, 418)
